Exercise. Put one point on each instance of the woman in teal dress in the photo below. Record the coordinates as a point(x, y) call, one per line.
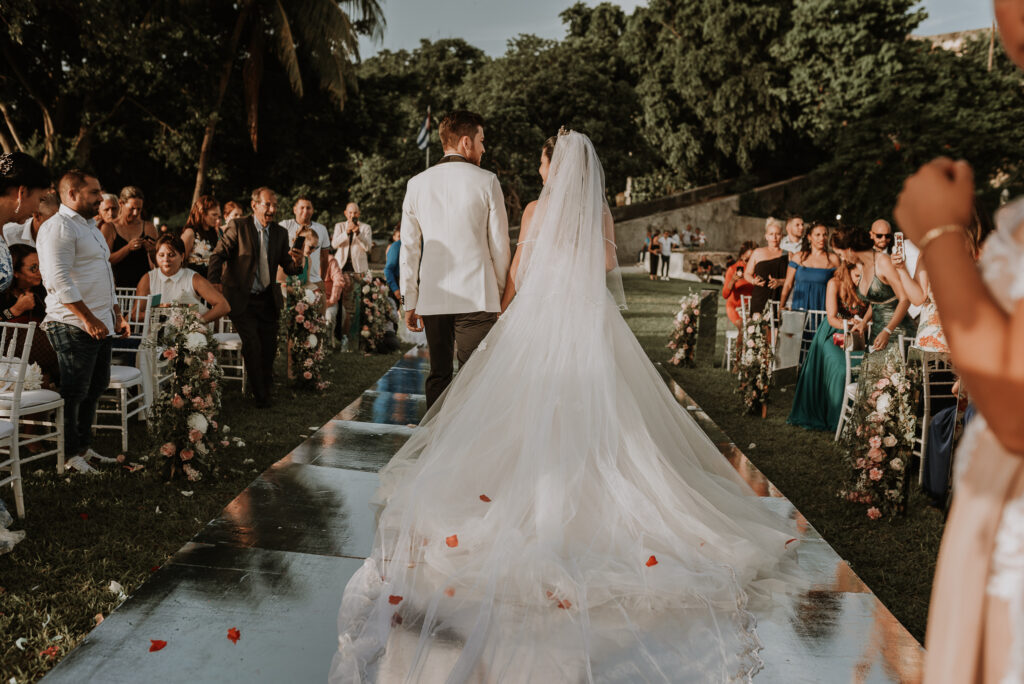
point(809, 273)
point(822, 380)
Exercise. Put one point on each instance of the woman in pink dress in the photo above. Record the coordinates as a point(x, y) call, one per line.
point(976, 622)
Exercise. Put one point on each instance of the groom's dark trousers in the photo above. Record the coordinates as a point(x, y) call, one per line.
point(446, 331)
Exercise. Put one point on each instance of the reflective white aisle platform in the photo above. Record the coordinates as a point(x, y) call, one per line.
point(275, 561)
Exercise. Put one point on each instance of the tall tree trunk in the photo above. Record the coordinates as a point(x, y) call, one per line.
point(14, 132)
point(82, 148)
point(5, 142)
point(222, 87)
point(49, 131)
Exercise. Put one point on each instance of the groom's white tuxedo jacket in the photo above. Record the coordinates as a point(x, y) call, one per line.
point(457, 210)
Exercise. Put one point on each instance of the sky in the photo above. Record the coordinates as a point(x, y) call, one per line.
point(488, 24)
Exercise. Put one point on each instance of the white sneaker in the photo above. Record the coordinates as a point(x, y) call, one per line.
point(79, 464)
point(91, 455)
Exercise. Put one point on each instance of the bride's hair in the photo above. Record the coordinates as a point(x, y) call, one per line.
point(549, 147)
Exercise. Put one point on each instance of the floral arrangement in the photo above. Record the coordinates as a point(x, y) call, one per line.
point(379, 314)
point(756, 363)
point(201, 251)
point(879, 436)
point(184, 419)
point(683, 339)
point(304, 330)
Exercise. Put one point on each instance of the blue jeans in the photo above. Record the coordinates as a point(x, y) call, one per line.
point(84, 376)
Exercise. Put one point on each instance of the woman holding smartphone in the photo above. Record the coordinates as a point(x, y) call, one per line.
point(131, 239)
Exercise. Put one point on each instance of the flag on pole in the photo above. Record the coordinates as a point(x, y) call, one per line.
point(423, 139)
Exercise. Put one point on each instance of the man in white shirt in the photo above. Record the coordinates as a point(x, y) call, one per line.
point(25, 233)
point(303, 210)
point(665, 243)
point(81, 309)
point(794, 238)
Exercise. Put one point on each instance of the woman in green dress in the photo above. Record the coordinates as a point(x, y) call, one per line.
point(822, 382)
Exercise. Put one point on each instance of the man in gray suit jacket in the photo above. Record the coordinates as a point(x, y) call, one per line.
point(243, 266)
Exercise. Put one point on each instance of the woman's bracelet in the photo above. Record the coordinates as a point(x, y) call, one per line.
point(935, 233)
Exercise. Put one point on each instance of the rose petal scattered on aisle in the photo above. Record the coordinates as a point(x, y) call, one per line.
point(234, 635)
point(449, 592)
point(396, 619)
point(452, 541)
point(97, 618)
point(394, 600)
point(790, 541)
point(50, 652)
point(485, 498)
point(652, 561)
point(156, 645)
point(21, 643)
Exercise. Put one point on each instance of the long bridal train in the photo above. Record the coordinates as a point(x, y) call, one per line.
point(558, 516)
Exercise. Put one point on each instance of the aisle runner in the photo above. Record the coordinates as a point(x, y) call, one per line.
point(273, 565)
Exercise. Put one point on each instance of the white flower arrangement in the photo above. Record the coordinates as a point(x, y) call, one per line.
point(197, 421)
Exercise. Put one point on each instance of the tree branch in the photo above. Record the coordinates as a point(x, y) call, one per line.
point(10, 126)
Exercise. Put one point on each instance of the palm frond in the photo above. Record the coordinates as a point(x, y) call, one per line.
point(330, 41)
point(252, 77)
point(284, 45)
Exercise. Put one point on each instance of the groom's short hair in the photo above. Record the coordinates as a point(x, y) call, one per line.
point(457, 124)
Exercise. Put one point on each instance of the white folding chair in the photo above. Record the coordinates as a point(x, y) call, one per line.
point(812, 321)
point(229, 351)
point(850, 383)
point(937, 382)
point(732, 336)
point(125, 395)
point(121, 292)
point(13, 364)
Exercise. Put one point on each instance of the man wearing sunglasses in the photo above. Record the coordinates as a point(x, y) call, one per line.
point(881, 235)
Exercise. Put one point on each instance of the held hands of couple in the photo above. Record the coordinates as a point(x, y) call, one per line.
point(941, 193)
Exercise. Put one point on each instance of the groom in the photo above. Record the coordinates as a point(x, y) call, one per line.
point(455, 250)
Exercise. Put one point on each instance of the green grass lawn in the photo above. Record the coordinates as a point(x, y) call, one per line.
point(85, 531)
point(896, 559)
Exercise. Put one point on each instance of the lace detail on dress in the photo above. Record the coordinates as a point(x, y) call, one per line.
point(1007, 582)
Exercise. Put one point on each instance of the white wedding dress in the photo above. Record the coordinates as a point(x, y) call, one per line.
point(557, 516)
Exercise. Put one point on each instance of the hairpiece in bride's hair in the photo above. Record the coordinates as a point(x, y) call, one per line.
point(563, 131)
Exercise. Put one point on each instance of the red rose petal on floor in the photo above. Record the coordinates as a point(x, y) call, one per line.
point(50, 652)
point(83, 516)
point(452, 541)
point(565, 605)
point(485, 498)
point(396, 619)
point(449, 592)
point(156, 645)
point(154, 568)
point(234, 635)
point(394, 600)
point(652, 561)
point(789, 542)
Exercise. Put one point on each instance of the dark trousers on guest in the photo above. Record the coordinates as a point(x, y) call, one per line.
point(655, 259)
point(84, 375)
point(257, 328)
point(444, 332)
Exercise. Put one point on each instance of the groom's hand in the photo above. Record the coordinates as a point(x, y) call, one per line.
point(413, 322)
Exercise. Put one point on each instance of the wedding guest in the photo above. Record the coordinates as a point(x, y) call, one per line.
point(353, 241)
point(110, 207)
point(643, 250)
point(182, 286)
point(665, 247)
point(879, 286)
point(654, 255)
point(81, 310)
point(130, 239)
point(232, 210)
point(704, 268)
point(821, 385)
point(735, 286)
point(241, 264)
point(391, 270)
point(303, 212)
point(23, 183)
point(201, 233)
point(794, 238)
point(767, 266)
point(310, 248)
point(25, 302)
point(702, 239)
point(881, 235)
point(809, 272)
point(335, 283)
point(976, 615)
point(25, 233)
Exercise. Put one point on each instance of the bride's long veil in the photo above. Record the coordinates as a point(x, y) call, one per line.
point(557, 517)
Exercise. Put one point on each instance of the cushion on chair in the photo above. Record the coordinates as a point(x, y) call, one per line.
point(851, 390)
point(6, 429)
point(29, 398)
point(228, 340)
point(125, 376)
point(732, 334)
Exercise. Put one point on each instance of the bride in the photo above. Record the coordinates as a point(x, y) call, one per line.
point(557, 516)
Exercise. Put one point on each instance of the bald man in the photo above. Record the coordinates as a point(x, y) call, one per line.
point(353, 241)
point(881, 235)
